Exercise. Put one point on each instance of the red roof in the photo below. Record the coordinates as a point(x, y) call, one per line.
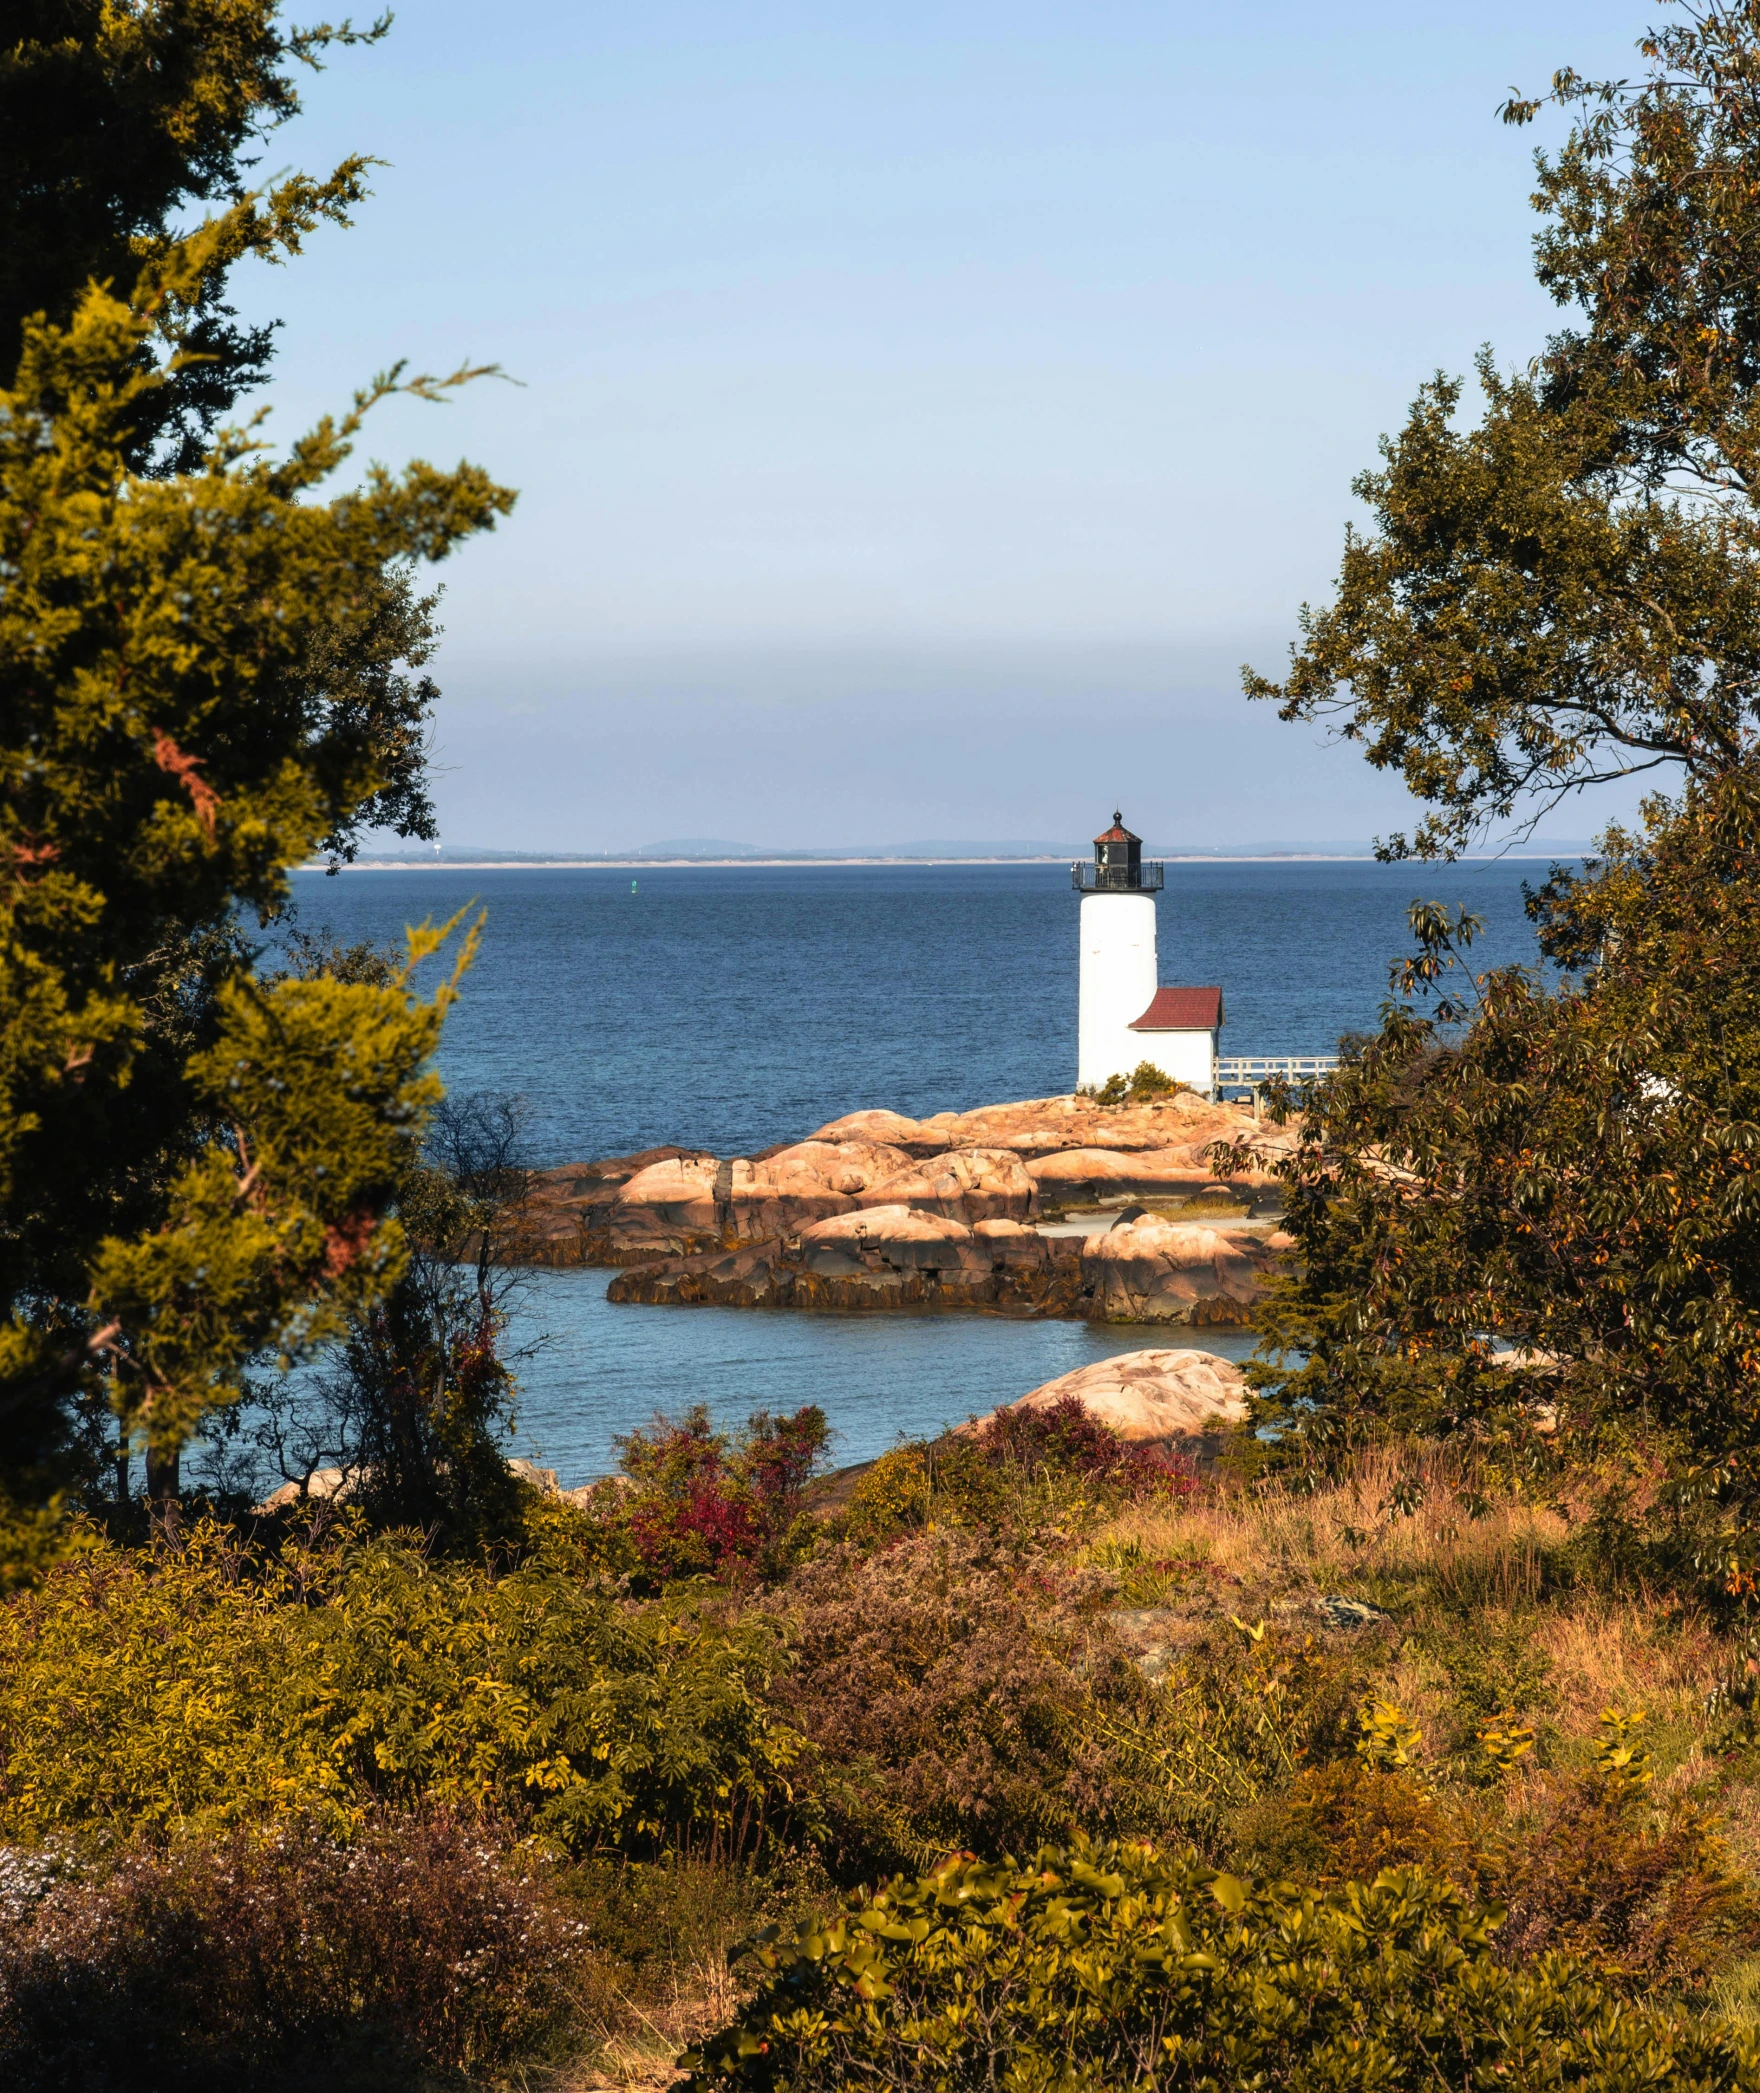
point(1117, 833)
point(1182, 1010)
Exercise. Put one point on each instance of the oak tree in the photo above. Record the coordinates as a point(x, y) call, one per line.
point(1535, 1195)
point(1567, 590)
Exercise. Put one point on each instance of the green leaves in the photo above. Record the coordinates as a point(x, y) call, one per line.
point(1543, 1222)
point(210, 1686)
point(273, 1237)
point(1120, 1965)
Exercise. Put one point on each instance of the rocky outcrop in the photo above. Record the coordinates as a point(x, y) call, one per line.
point(1046, 1125)
point(878, 1257)
point(1164, 1398)
point(967, 1184)
point(906, 1257)
point(1078, 1177)
point(1151, 1270)
point(1024, 1162)
point(575, 1215)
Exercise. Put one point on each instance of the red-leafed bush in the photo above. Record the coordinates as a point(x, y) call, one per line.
point(1065, 1437)
point(697, 1501)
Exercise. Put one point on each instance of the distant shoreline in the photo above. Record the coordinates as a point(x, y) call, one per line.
point(1281, 857)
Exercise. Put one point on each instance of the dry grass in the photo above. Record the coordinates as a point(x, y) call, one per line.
point(1405, 1532)
point(641, 2050)
point(1402, 1518)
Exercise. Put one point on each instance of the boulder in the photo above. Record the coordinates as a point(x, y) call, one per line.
point(668, 1208)
point(970, 1184)
point(543, 1480)
point(892, 1129)
point(1151, 1270)
point(1339, 1612)
point(804, 1183)
point(1010, 1242)
point(1085, 1176)
point(903, 1237)
point(1079, 1177)
point(566, 1218)
point(320, 1484)
point(756, 1275)
point(1165, 1398)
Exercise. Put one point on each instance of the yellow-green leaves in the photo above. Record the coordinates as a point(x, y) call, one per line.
point(1385, 1737)
point(201, 680)
point(1121, 1965)
point(206, 1685)
point(279, 1229)
point(1619, 1753)
point(1505, 1742)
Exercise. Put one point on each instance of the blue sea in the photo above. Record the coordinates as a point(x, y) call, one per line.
point(732, 1007)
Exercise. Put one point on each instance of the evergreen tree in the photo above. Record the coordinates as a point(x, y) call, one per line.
point(202, 681)
point(118, 116)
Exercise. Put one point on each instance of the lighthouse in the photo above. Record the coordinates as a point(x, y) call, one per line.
point(1125, 1016)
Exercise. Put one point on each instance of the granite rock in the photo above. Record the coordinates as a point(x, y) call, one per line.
point(876, 1257)
point(1016, 1162)
point(903, 1256)
point(806, 1182)
point(1162, 1398)
point(1152, 1270)
point(968, 1184)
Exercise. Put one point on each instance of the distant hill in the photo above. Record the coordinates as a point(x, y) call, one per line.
point(706, 849)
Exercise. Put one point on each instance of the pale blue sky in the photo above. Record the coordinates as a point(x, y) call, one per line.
point(924, 408)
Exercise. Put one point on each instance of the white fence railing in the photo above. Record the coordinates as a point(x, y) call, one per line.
point(1248, 1071)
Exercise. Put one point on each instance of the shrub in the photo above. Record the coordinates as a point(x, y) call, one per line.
point(1348, 1821)
point(893, 1495)
point(693, 1501)
point(1066, 1438)
point(954, 1690)
point(1144, 1083)
point(423, 1944)
point(1645, 1893)
point(1116, 1965)
point(202, 1685)
point(1021, 1470)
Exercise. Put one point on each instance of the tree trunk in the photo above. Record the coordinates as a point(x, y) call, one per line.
point(162, 1467)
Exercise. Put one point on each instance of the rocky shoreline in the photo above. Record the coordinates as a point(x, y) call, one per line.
point(1049, 1207)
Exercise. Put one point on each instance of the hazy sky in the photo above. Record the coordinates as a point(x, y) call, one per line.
point(923, 409)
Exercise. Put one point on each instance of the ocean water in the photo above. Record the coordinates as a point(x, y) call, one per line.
point(732, 1007)
point(877, 1377)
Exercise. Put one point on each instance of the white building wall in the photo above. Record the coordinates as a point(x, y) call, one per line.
point(1189, 1057)
point(1118, 983)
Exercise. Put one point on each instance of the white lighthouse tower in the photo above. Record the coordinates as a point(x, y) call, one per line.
point(1119, 970)
point(1125, 1015)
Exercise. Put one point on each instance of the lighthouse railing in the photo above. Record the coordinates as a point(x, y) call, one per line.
point(1143, 878)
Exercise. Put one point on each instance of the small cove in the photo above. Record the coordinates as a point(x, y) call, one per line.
point(608, 1368)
